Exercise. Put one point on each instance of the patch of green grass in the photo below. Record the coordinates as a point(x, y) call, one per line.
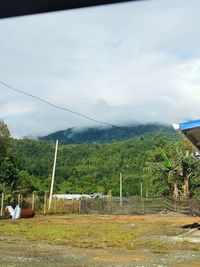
point(92, 234)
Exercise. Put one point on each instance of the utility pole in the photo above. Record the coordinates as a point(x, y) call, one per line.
point(53, 175)
point(120, 189)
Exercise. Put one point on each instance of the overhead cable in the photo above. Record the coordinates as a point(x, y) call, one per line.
point(56, 106)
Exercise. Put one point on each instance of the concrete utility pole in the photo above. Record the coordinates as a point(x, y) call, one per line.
point(120, 178)
point(53, 175)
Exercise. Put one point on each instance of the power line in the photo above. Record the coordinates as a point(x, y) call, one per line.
point(56, 106)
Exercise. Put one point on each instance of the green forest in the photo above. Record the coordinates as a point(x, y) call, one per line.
point(162, 162)
point(102, 135)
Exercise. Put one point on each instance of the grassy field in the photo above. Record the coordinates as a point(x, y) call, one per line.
point(158, 236)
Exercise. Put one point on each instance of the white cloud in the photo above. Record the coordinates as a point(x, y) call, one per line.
point(16, 108)
point(119, 64)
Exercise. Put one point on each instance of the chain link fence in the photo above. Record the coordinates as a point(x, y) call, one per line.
point(137, 205)
point(40, 204)
point(104, 205)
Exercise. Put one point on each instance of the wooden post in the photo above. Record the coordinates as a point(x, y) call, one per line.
point(147, 192)
point(54, 204)
point(110, 200)
point(21, 201)
point(120, 189)
point(45, 202)
point(2, 201)
point(53, 175)
point(141, 190)
point(72, 210)
point(80, 206)
point(18, 199)
point(33, 201)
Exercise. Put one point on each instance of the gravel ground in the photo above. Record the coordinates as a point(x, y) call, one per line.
point(20, 253)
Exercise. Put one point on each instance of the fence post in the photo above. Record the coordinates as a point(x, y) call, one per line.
point(147, 192)
point(18, 199)
point(120, 178)
point(45, 202)
point(33, 202)
point(72, 210)
point(54, 204)
point(21, 201)
point(141, 190)
point(165, 205)
point(80, 206)
point(143, 206)
point(110, 200)
point(2, 201)
point(86, 208)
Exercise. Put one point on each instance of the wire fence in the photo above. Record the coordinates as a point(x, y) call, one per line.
point(104, 205)
point(137, 205)
point(40, 204)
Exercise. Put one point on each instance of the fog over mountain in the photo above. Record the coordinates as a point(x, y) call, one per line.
point(130, 63)
point(109, 134)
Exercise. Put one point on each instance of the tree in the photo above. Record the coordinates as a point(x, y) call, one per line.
point(176, 164)
point(164, 165)
point(8, 174)
point(188, 164)
point(171, 167)
point(8, 170)
point(5, 139)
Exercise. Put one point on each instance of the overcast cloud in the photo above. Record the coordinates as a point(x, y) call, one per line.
point(127, 63)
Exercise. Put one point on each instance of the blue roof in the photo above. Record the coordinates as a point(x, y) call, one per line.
point(189, 124)
point(191, 130)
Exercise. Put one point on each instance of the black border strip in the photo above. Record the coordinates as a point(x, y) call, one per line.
point(12, 8)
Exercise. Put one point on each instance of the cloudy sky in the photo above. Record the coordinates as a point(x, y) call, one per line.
point(126, 63)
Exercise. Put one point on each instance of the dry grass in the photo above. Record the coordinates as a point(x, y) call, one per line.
point(153, 233)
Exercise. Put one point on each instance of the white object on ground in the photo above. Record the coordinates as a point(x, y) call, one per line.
point(17, 212)
point(10, 210)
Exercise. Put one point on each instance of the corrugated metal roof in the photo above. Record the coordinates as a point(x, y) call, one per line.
point(191, 130)
point(77, 196)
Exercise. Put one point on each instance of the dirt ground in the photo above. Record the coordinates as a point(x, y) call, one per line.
point(17, 251)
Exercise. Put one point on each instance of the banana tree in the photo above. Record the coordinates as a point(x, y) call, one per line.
point(172, 170)
point(167, 167)
point(188, 166)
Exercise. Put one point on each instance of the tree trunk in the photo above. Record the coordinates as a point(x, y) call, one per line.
point(174, 191)
point(186, 190)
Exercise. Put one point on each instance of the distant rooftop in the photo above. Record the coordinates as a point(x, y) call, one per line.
point(77, 196)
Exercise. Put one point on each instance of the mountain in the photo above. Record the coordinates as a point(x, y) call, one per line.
point(89, 168)
point(108, 134)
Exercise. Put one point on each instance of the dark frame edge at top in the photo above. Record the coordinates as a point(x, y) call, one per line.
point(13, 8)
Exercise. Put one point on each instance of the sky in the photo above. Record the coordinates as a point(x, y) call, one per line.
point(135, 62)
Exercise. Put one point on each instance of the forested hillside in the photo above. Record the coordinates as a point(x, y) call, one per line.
point(164, 166)
point(82, 168)
point(108, 134)
point(89, 168)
